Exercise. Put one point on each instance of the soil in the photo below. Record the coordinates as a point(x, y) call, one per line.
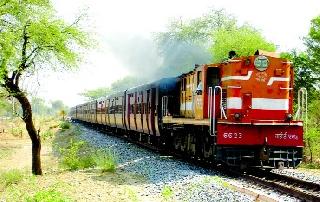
point(83, 185)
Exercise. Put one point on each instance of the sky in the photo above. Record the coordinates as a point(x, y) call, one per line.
point(113, 23)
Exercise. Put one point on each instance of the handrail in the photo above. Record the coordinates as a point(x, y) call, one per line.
point(164, 106)
point(222, 112)
point(210, 103)
point(212, 109)
point(282, 88)
point(234, 87)
point(302, 111)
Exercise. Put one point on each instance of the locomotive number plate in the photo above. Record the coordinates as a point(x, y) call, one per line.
point(232, 135)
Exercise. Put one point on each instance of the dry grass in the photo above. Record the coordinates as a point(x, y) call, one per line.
point(65, 185)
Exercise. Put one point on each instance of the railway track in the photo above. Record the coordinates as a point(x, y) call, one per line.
point(303, 190)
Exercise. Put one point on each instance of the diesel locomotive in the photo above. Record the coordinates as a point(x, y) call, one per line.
point(238, 113)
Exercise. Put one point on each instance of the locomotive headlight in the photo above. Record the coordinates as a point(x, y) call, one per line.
point(237, 116)
point(261, 63)
point(289, 117)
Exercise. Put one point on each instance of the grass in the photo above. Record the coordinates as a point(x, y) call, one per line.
point(220, 181)
point(14, 127)
point(5, 152)
point(65, 125)
point(17, 132)
point(11, 177)
point(48, 195)
point(17, 185)
point(75, 154)
point(132, 196)
point(105, 160)
point(167, 192)
point(48, 134)
point(310, 165)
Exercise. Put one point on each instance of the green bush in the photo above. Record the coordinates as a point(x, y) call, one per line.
point(17, 132)
point(11, 177)
point(311, 136)
point(49, 195)
point(48, 134)
point(77, 155)
point(105, 160)
point(65, 125)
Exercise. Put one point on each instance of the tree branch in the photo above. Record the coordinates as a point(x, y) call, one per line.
point(22, 66)
point(35, 50)
point(74, 23)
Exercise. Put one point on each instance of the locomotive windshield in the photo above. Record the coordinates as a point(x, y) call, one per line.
point(213, 78)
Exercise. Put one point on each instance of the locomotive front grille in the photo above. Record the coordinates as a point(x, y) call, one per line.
point(289, 158)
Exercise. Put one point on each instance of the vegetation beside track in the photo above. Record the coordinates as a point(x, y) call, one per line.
point(77, 154)
point(65, 177)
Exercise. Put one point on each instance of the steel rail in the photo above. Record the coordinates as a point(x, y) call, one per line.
point(304, 190)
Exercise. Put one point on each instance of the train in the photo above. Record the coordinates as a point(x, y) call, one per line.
point(237, 113)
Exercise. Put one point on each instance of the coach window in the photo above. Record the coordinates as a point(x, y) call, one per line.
point(199, 77)
point(184, 81)
point(120, 109)
point(199, 83)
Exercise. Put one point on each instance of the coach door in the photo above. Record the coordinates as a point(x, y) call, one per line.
point(128, 110)
point(146, 111)
point(139, 115)
point(107, 112)
point(152, 111)
point(135, 110)
point(199, 96)
point(112, 112)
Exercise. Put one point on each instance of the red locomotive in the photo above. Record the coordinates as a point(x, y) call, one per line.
point(238, 112)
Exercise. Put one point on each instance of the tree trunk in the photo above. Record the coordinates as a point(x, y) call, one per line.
point(35, 138)
point(27, 118)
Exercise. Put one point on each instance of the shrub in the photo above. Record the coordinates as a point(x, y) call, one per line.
point(77, 156)
point(17, 132)
point(65, 125)
point(105, 160)
point(48, 134)
point(11, 177)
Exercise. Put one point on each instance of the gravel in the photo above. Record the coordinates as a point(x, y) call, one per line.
point(299, 174)
point(185, 181)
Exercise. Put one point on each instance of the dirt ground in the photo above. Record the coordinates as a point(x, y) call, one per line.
point(83, 185)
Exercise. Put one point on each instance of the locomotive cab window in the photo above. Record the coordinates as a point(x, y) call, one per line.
point(213, 77)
